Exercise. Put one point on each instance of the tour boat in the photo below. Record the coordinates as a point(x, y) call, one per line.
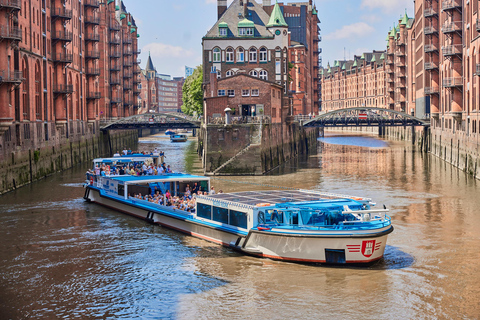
point(169, 132)
point(178, 138)
point(304, 226)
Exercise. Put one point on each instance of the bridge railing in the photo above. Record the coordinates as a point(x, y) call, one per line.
point(240, 120)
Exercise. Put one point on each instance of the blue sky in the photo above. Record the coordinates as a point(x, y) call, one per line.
point(172, 31)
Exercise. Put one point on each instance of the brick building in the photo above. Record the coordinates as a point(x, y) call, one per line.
point(255, 40)
point(158, 92)
point(64, 65)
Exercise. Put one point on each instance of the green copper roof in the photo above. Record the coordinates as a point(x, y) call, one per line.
point(388, 35)
point(363, 56)
point(129, 23)
point(110, 1)
point(336, 64)
point(405, 19)
point(314, 11)
point(321, 72)
point(373, 59)
point(117, 8)
point(343, 67)
point(138, 36)
point(223, 25)
point(132, 30)
point(382, 57)
point(122, 16)
point(245, 23)
point(355, 63)
point(329, 70)
point(276, 18)
point(392, 32)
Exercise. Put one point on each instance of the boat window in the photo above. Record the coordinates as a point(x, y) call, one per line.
point(310, 217)
point(220, 214)
point(261, 217)
point(291, 217)
point(238, 219)
point(275, 216)
point(204, 211)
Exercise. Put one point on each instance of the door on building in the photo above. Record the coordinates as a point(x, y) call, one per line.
point(246, 110)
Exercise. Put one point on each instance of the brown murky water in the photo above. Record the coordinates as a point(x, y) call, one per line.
point(63, 258)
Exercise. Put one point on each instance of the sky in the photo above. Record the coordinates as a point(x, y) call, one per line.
point(172, 30)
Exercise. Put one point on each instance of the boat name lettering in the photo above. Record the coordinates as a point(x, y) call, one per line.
point(220, 204)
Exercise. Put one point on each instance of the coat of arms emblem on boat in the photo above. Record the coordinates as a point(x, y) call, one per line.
point(368, 247)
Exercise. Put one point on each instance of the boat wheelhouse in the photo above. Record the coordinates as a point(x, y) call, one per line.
point(293, 225)
point(178, 138)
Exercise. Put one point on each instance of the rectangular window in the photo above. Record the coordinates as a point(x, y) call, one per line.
point(220, 215)
point(204, 211)
point(231, 93)
point(223, 31)
point(255, 93)
point(221, 93)
point(238, 219)
point(245, 93)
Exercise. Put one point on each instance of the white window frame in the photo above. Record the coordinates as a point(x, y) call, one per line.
point(217, 55)
point(222, 32)
point(263, 75)
point(255, 93)
point(263, 55)
point(229, 55)
point(252, 55)
point(240, 55)
point(221, 92)
point(245, 93)
point(254, 73)
point(231, 92)
point(229, 73)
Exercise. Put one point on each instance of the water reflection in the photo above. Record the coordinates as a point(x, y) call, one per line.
point(62, 257)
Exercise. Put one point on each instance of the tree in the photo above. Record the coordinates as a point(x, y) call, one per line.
point(193, 93)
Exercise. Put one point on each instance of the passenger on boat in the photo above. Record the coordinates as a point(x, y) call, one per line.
point(212, 190)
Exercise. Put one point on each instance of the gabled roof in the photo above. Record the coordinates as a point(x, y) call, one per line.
point(236, 13)
point(149, 66)
point(276, 18)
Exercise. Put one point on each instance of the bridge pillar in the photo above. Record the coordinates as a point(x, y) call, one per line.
point(194, 132)
point(413, 135)
point(321, 132)
point(381, 131)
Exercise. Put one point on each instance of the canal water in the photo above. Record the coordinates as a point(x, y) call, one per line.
point(63, 258)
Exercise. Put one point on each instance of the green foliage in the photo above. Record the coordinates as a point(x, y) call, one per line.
point(193, 93)
point(36, 156)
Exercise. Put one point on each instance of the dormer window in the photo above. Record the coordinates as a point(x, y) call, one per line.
point(246, 28)
point(245, 31)
point(223, 29)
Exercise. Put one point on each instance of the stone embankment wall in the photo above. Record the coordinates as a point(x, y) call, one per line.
point(255, 148)
point(25, 166)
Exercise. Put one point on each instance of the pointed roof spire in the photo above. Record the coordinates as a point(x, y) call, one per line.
point(405, 19)
point(149, 66)
point(355, 63)
point(373, 59)
point(276, 18)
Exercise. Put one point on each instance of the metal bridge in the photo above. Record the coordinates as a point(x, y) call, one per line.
point(363, 117)
point(160, 121)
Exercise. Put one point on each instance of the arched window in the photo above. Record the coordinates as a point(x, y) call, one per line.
point(230, 73)
point(264, 75)
point(253, 55)
point(38, 85)
point(229, 57)
point(26, 90)
point(263, 55)
point(254, 73)
point(216, 55)
point(240, 55)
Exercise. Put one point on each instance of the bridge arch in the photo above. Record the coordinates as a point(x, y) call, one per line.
point(162, 120)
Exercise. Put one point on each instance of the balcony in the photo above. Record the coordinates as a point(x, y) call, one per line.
point(430, 12)
point(137, 91)
point(137, 71)
point(451, 4)
point(11, 4)
point(93, 95)
point(432, 90)
point(91, 3)
point(61, 13)
point(128, 103)
point(92, 20)
point(115, 80)
point(115, 54)
point(128, 52)
point(115, 100)
point(127, 40)
point(128, 64)
point(452, 82)
point(390, 79)
point(430, 48)
point(400, 53)
point(431, 65)
point(115, 68)
point(454, 26)
point(138, 61)
point(478, 25)
point(62, 35)
point(127, 86)
point(401, 74)
point(11, 33)
point(138, 51)
point(389, 61)
point(62, 58)
point(452, 50)
point(7, 76)
point(92, 37)
point(92, 72)
point(128, 74)
point(400, 63)
point(92, 54)
point(114, 25)
point(478, 69)
point(114, 40)
point(430, 30)
point(62, 88)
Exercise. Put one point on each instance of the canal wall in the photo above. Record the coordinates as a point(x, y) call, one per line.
point(253, 149)
point(25, 165)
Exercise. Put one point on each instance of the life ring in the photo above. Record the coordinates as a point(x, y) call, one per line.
point(91, 180)
point(263, 204)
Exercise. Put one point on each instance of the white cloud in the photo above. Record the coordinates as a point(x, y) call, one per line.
point(356, 30)
point(389, 6)
point(170, 59)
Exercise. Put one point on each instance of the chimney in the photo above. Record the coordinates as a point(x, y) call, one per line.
point(213, 82)
point(245, 8)
point(222, 7)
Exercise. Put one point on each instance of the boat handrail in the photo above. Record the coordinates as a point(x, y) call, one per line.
point(336, 195)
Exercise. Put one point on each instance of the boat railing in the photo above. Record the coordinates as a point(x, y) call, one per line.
point(160, 206)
